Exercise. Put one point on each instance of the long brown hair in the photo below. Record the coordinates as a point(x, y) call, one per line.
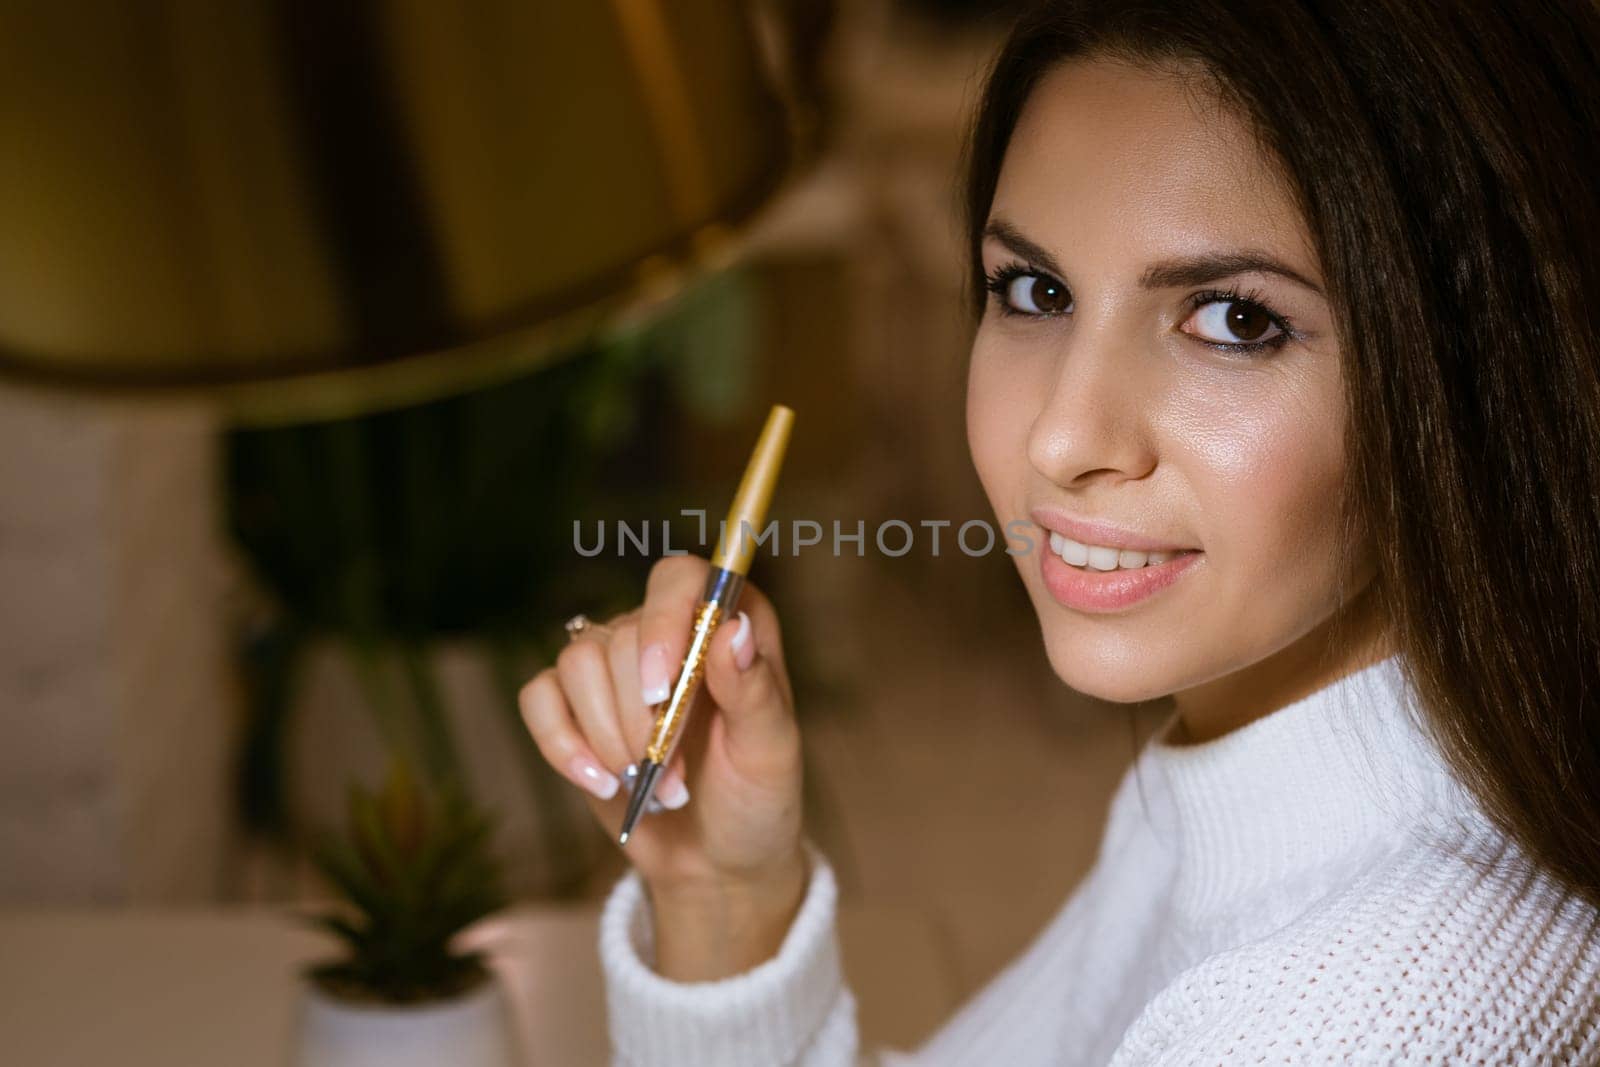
point(1444, 156)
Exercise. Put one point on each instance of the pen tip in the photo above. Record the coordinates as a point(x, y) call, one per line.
point(623, 840)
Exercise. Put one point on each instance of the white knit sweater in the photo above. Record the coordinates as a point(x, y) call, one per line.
point(1313, 887)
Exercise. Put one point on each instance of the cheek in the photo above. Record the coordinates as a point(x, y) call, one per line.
point(1266, 466)
point(1004, 395)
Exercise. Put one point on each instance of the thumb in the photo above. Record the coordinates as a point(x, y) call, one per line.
point(744, 682)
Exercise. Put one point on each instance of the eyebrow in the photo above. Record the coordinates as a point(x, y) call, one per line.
point(1167, 274)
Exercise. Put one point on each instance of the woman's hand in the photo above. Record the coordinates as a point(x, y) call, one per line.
point(724, 865)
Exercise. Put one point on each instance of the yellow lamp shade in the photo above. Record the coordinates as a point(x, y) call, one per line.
point(316, 206)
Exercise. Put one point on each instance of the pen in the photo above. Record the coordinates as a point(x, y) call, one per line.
point(729, 564)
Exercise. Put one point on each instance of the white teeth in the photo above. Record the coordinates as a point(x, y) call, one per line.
point(1104, 558)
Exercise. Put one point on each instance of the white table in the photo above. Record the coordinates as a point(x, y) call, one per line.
point(149, 988)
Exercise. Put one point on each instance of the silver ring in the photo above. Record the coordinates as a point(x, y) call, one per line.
point(581, 624)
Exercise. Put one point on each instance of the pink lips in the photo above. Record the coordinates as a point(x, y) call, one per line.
point(1095, 532)
point(1105, 591)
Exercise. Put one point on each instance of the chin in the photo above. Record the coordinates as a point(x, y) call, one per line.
point(1107, 667)
point(1092, 658)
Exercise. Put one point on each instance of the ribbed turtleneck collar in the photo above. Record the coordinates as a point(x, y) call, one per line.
point(1344, 773)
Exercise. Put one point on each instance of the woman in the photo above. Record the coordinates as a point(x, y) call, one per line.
point(1286, 312)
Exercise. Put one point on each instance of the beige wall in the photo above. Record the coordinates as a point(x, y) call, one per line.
point(115, 715)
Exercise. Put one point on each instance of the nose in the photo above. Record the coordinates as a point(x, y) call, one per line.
point(1095, 423)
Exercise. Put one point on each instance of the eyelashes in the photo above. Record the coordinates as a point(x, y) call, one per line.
point(1248, 302)
point(1002, 280)
point(1237, 302)
point(999, 283)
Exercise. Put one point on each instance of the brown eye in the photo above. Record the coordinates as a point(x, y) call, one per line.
point(1246, 322)
point(1235, 322)
point(1035, 294)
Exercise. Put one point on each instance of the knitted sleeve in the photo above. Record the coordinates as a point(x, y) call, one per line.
point(794, 1010)
point(1048, 1006)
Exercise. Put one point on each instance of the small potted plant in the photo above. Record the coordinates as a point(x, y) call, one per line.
point(414, 869)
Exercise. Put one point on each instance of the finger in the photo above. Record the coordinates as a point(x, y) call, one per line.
point(545, 712)
point(585, 676)
point(635, 718)
point(671, 596)
point(638, 722)
point(769, 632)
point(746, 680)
point(672, 788)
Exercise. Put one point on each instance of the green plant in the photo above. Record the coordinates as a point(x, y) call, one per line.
point(415, 868)
point(452, 519)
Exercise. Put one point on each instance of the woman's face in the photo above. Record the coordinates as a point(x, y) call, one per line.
point(1168, 367)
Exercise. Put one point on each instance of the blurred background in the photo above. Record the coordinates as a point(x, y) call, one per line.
point(321, 325)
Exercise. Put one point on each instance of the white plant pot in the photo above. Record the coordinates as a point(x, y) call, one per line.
point(472, 1030)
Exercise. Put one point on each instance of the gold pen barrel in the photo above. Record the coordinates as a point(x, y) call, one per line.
point(736, 547)
point(717, 603)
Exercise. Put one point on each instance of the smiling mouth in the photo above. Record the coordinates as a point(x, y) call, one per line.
point(1105, 558)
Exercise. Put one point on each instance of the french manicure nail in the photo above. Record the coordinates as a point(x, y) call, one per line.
point(673, 793)
point(744, 653)
point(655, 679)
point(596, 779)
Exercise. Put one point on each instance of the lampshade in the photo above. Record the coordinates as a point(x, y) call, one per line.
point(313, 207)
